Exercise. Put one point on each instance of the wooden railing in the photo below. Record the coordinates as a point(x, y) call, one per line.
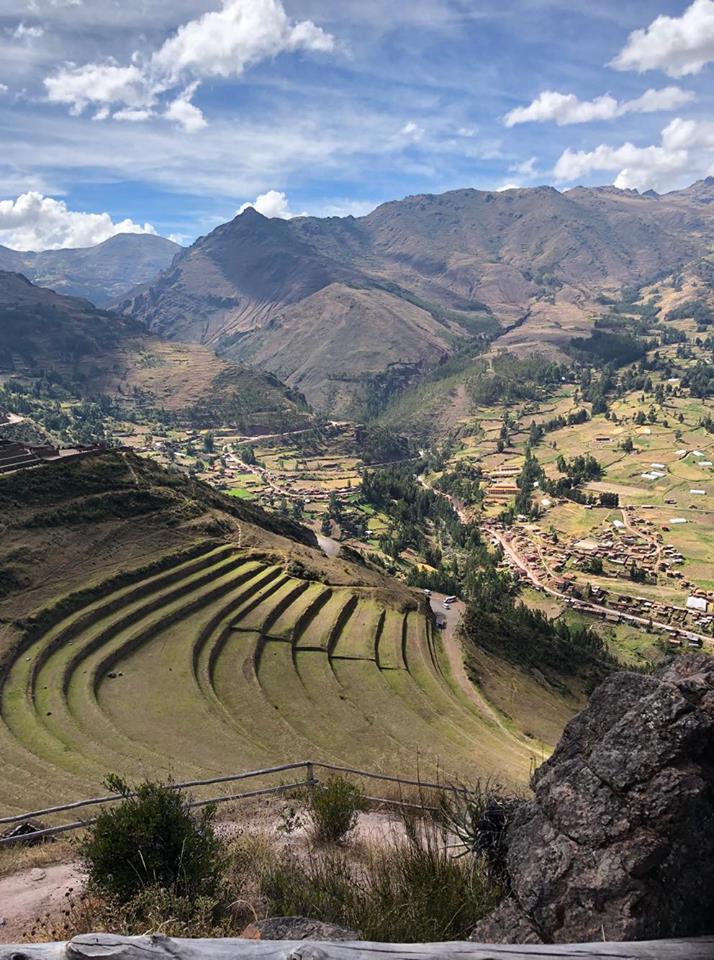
point(105, 946)
point(307, 781)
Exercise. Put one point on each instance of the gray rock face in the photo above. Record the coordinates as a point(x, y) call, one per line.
point(619, 838)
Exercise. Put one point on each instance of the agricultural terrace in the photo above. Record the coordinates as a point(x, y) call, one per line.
point(223, 661)
point(647, 549)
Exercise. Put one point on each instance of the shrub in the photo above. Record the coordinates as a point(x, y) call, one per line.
point(152, 837)
point(333, 807)
point(479, 817)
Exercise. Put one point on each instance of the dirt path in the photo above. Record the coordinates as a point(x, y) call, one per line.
point(34, 893)
point(455, 656)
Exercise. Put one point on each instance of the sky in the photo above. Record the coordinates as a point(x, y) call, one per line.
point(171, 117)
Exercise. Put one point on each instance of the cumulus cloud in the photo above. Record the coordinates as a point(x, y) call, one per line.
point(274, 203)
point(3, 88)
point(36, 222)
point(566, 108)
point(686, 146)
point(185, 113)
point(678, 45)
point(221, 43)
point(102, 85)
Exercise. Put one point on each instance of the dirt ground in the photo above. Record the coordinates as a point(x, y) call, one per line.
point(34, 893)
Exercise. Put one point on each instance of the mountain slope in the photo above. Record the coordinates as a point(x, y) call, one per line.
point(149, 623)
point(301, 297)
point(92, 351)
point(102, 273)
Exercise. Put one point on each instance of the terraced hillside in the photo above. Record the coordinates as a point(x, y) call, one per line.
point(223, 656)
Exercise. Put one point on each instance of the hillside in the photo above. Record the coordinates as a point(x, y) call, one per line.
point(89, 352)
point(330, 303)
point(102, 273)
point(146, 620)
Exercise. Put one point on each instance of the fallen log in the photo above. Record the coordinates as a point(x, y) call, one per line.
point(106, 946)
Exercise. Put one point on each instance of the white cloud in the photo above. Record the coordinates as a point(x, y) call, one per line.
point(101, 84)
point(3, 88)
point(274, 203)
point(221, 43)
point(527, 168)
point(129, 114)
point(185, 113)
point(27, 33)
point(36, 222)
point(566, 108)
point(686, 149)
point(678, 45)
point(411, 132)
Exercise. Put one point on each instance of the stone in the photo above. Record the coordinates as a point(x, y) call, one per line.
point(297, 928)
point(618, 840)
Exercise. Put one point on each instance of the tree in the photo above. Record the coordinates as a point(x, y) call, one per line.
point(209, 444)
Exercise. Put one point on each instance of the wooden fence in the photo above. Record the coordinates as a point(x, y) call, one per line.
point(105, 946)
point(308, 780)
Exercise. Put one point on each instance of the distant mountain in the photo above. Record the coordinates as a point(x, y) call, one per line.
point(103, 273)
point(91, 352)
point(330, 303)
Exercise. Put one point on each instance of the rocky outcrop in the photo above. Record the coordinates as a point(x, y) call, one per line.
point(618, 842)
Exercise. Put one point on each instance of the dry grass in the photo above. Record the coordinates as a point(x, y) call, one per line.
point(18, 857)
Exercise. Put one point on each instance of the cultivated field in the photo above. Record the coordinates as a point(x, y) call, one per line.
point(223, 662)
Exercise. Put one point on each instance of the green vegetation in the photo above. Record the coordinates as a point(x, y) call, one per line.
point(510, 379)
point(333, 808)
point(151, 837)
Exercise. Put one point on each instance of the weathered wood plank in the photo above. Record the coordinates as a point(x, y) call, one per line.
point(104, 946)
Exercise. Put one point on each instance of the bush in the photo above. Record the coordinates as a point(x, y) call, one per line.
point(151, 838)
point(333, 807)
point(479, 817)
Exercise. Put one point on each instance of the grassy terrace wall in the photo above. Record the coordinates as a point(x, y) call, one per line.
point(215, 660)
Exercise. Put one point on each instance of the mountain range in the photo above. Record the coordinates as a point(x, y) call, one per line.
point(102, 273)
point(328, 304)
point(341, 309)
point(92, 352)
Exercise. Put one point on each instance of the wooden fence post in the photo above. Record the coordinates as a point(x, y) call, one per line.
point(310, 778)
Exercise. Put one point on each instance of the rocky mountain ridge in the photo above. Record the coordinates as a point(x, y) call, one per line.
point(326, 303)
point(102, 273)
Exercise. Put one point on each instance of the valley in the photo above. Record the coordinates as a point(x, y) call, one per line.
point(223, 576)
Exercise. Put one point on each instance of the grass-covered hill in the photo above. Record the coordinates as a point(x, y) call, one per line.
point(77, 350)
point(150, 625)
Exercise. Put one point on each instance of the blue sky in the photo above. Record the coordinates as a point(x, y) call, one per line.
point(171, 116)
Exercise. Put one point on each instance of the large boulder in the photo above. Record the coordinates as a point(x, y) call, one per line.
point(618, 842)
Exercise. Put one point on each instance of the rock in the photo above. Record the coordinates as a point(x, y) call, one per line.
point(618, 841)
point(37, 874)
point(297, 928)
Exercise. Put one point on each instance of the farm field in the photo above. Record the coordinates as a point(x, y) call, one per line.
point(224, 662)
